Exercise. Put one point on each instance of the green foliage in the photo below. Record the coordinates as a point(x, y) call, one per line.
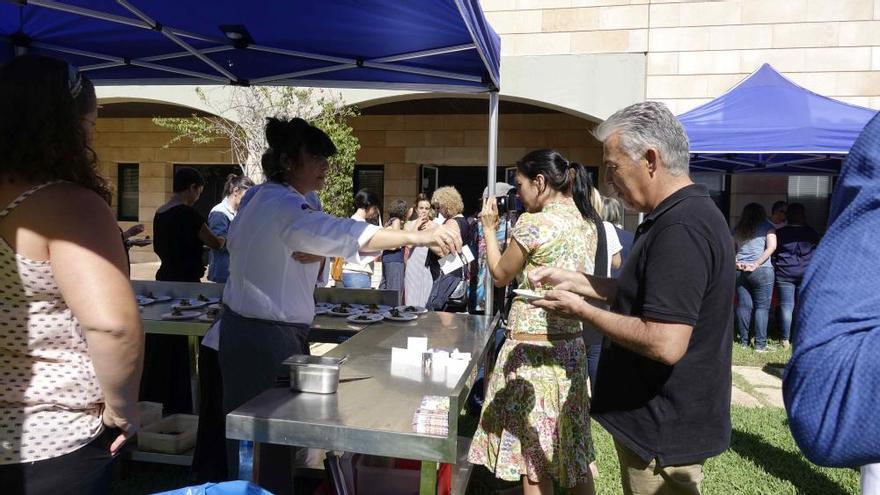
point(240, 116)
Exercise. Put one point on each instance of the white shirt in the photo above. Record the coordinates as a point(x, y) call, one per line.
point(612, 243)
point(264, 280)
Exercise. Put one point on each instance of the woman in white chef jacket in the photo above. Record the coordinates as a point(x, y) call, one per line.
point(276, 244)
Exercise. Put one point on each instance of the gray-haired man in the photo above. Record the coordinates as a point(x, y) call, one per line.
point(663, 390)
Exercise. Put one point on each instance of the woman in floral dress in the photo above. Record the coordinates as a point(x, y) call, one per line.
point(535, 422)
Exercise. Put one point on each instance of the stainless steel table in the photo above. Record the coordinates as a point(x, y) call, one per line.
point(373, 416)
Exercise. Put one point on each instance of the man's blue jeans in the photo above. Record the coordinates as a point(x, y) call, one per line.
point(754, 289)
point(356, 280)
point(787, 296)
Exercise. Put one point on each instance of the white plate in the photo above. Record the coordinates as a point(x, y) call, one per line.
point(319, 310)
point(159, 299)
point(528, 295)
point(402, 317)
point(184, 315)
point(418, 310)
point(325, 305)
point(193, 304)
point(208, 300)
point(351, 311)
point(372, 319)
point(143, 301)
point(379, 307)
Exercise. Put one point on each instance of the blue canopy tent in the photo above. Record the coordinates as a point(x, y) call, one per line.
point(768, 124)
point(437, 45)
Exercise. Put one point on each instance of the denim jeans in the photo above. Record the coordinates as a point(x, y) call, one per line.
point(787, 296)
point(356, 280)
point(753, 290)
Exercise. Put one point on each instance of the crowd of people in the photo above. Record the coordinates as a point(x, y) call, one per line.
point(775, 249)
point(634, 331)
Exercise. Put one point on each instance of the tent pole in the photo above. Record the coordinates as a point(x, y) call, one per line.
point(492, 167)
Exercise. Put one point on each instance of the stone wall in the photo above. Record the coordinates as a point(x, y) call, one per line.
point(403, 142)
point(135, 140)
point(696, 50)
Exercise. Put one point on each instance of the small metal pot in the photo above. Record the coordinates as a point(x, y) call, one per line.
point(314, 374)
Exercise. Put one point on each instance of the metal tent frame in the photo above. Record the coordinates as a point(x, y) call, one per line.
point(209, 71)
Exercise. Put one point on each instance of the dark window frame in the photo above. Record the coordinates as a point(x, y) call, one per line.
point(120, 168)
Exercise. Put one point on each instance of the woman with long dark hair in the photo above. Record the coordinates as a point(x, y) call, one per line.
point(360, 275)
point(535, 422)
point(71, 340)
point(755, 240)
point(269, 295)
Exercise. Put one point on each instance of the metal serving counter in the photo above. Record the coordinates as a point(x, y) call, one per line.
point(373, 416)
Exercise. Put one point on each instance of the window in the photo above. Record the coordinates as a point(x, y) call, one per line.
point(717, 184)
point(371, 177)
point(814, 192)
point(127, 194)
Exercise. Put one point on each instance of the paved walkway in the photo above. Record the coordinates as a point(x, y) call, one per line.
point(757, 387)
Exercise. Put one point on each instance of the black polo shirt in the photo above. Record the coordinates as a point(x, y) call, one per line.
point(680, 270)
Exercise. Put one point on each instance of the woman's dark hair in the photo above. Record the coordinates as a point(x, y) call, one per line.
point(365, 199)
point(290, 137)
point(397, 209)
point(235, 182)
point(563, 176)
point(42, 105)
point(752, 216)
point(184, 177)
point(796, 214)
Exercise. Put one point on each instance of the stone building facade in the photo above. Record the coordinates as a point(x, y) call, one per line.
point(566, 65)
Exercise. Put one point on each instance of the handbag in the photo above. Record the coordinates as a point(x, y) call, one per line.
point(336, 268)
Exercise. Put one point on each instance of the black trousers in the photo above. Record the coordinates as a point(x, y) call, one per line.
point(166, 373)
point(85, 471)
point(209, 459)
point(251, 353)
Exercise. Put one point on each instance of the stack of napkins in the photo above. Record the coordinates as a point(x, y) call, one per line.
point(432, 416)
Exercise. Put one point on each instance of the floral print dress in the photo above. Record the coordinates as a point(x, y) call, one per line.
point(535, 420)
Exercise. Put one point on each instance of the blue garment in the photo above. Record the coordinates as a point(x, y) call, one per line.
point(356, 280)
point(218, 221)
point(787, 296)
point(753, 292)
point(831, 385)
point(749, 250)
point(626, 242)
point(794, 250)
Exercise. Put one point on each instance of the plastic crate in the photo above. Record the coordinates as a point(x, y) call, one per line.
point(378, 476)
point(150, 412)
point(172, 435)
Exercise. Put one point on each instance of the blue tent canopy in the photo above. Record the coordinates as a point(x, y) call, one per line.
point(440, 45)
point(767, 123)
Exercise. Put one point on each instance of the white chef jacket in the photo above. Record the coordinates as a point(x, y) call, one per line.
point(264, 280)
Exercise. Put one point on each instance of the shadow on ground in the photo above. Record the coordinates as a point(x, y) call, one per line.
point(784, 465)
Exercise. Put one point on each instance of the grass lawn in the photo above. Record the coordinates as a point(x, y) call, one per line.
point(778, 357)
point(762, 459)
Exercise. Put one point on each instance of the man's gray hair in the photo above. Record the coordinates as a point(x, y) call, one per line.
point(645, 125)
